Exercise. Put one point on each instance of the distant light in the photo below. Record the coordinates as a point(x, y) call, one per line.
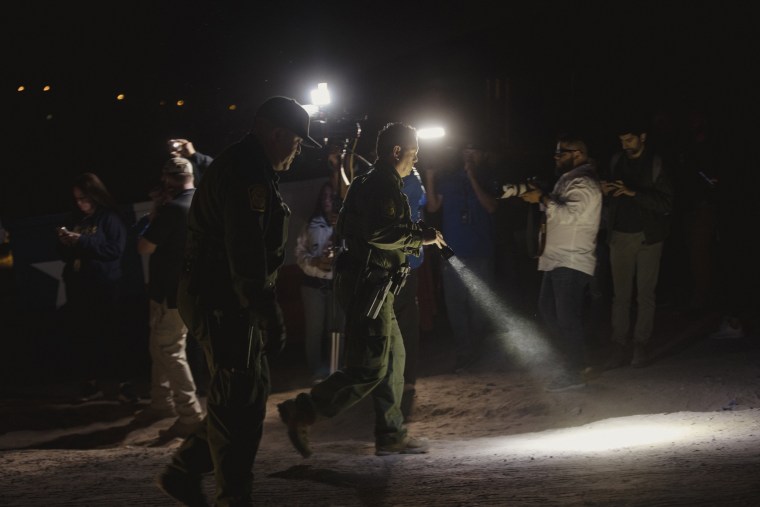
point(320, 96)
point(312, 109)
point(120, 96)
point(180, 103)
point(431, 133)
point(46, 88)
point(162, 103)
point(49, 117)
point(21, 88)
point(232, 107)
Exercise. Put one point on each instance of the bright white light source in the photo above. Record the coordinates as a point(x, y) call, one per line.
point(312, 109)
point(320, 96)
point(430, 133)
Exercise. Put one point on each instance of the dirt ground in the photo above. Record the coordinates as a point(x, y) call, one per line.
point(682, 431)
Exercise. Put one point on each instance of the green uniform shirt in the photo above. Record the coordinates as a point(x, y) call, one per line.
point(237, 229)
point(375, 221)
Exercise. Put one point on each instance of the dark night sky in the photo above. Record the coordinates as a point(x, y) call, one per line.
point(569, 64)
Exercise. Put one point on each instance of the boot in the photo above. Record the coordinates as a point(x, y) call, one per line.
point(298, 414)
point(184, 488)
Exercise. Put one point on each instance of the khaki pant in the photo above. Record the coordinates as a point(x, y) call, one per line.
point(172, 384)
point(633, 260)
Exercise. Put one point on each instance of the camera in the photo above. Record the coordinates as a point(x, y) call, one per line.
point(507, 190)
point(514, 190)
point(338, 131)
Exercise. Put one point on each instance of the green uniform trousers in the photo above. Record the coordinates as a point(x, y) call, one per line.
point(229, 437)
point(374, 365)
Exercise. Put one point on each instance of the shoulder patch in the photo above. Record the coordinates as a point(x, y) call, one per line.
point(257, 197)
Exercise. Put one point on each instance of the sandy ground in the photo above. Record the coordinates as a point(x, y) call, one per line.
point(683, 431)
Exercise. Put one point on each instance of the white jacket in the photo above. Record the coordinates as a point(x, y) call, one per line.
point(312, 242)
point(572, 222)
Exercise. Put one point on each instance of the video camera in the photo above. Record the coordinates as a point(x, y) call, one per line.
point(338, 131)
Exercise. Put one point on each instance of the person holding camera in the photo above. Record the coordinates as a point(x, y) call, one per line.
point(640, 198)
point(172, 388)
point(467, 205)
point(377, 232)
point(183, 148)
point(237, 229)
point(573, 214)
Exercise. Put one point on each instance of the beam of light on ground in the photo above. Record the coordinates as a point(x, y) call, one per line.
point(610, 435)
point(522, 337)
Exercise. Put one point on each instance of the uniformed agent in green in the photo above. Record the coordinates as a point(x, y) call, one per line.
point(377, 232)
point(237, 229)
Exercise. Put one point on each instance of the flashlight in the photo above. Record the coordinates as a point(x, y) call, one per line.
point(447, 252)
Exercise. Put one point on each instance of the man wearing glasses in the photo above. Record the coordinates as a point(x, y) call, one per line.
point(573, 213)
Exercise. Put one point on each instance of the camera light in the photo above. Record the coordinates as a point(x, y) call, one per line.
point(21, 88)
point(430, 133)
point(120, 96)
point(320, 96)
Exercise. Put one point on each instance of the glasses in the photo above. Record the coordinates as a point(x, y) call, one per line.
point(560, 151)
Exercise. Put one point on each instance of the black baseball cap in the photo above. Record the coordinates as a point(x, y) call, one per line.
point(286, 112)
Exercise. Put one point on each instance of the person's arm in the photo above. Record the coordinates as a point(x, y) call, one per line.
point(658, 198)
point(108, 242)
point(434, 199)
point(145, 247)
point(575, 202)
point(489, 202)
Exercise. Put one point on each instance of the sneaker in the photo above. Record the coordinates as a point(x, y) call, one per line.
point(179, 430)
point(730, 329)
point(90, 391)
point(151, 415)
point(409, 445)
point(184, 488)
point(565, 383)
point(618, 357)
point(298, 418)
point(640, 356)
point(127, 394)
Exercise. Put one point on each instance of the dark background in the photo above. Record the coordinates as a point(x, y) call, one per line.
point(520, 71)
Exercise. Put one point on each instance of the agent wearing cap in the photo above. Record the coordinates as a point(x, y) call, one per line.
point(172, 391)
point(237, 229)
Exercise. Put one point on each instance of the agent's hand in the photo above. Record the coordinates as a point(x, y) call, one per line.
point(432, 236)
